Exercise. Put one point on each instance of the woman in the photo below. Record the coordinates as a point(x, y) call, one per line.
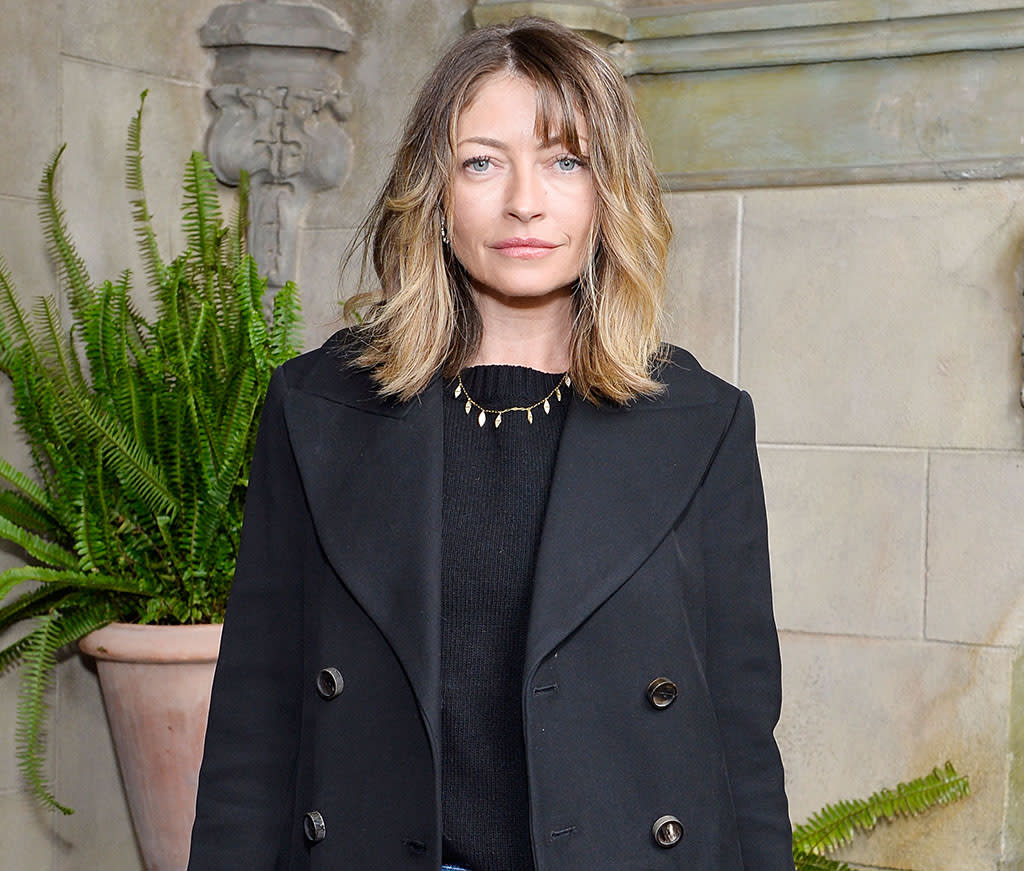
point(503, 600)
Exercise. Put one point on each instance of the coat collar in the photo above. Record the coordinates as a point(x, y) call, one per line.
point(373, 471)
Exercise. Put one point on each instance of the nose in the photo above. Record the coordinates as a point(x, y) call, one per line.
point(525, 196)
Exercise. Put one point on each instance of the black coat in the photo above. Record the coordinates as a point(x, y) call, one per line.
point(653, 562)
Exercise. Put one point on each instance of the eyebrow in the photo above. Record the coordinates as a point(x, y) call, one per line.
point(497, 143)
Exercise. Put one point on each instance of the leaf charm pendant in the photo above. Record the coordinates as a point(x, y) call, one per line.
point(469, 405)
point(558, 394)
point(458, 390)
point(529, 416)
point(497, 421)
point(482, 419)
point(568, 383)
point(547, 407)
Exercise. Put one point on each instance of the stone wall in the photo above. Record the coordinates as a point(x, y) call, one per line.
point(877, 328)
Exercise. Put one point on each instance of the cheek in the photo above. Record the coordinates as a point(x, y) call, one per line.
point(467, 222)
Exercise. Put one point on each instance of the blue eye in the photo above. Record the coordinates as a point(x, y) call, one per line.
point(477, 164)
point(568, 162)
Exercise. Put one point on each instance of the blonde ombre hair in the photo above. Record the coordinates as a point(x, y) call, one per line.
point(423, 318)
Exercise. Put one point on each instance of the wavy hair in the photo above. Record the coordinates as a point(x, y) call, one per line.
point(422, 318)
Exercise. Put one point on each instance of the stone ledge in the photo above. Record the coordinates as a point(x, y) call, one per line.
point(755, 42)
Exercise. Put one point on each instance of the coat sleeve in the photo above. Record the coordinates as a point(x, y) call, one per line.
point(743, 662)
point(246, 785)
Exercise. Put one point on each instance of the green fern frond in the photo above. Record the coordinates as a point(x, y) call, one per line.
point(132, 463)
point(39, 663)
point(32, 604)
point(24, 513)
point(14, 653)
point(19, 334)
point(56, 629)
point(18, 575)
point(156, 269)
point(36, 546)
point(835, 825)
point(239, 223)
point(71, 267)
point(202, 217)
point(286, 327)
point(814, 862)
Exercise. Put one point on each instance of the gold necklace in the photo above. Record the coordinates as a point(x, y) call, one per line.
point(544, 403)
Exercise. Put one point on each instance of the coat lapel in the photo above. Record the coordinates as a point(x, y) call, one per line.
point(372, 473)
point(622, 478)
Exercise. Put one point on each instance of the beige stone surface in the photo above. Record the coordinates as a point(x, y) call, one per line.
point(846, 530)
point(29, 81)
point(702, 276)
point(860, 714)
point(128, 34)
point(27, 846)
point(945, 113)
point(975, 548)
point(396, 45)
point(884, 315)
point(99, 834)
point(321, 283)
point(99, 103)
point(23, 248)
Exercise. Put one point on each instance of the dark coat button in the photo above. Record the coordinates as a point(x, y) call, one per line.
point(313, 827)
point(329, 683)
point(667, 831)
point(661, 692)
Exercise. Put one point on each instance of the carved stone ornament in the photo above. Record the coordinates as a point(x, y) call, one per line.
point(280, 108)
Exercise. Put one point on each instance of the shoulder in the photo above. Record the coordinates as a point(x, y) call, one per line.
point(330, 371)
point(688, 383)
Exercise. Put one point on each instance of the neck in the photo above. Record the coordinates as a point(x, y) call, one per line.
point(534, 334)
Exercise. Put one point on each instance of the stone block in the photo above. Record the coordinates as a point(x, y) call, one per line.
point(125, 34)
point(99, 834)
point(395, 46)
point(29, 80)
point(884, 315)
point(975, 549)
point(846, 530)
point(99, 103)
point(322, 286)
point(702, 276)
point(860, 714)
point(25, 834)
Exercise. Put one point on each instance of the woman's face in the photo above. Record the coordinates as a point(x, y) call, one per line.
point(522, 207)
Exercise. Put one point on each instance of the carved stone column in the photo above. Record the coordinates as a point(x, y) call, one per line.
point(280, 108)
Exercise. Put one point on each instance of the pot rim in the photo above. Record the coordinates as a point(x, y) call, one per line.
point(133, 642)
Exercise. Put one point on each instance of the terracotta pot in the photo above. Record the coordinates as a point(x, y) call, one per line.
point(156, 683)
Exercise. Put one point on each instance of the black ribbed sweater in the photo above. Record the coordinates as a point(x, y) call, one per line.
point(496, 483)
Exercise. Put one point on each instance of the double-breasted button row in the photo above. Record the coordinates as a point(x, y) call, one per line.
point(329, 683)
point(661, 692)
point(313, 827)
point(667, 831)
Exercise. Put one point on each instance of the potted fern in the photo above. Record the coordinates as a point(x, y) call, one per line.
point(140, 430)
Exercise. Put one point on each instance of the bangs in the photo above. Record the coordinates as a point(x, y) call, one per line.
point(559, 115)
point(560, 112)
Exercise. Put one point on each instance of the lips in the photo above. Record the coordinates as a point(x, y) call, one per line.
point(524, 248)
